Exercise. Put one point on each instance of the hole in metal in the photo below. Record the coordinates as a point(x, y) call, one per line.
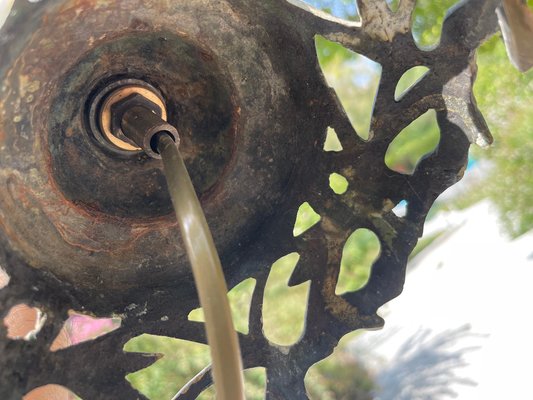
point(355, 79)
point(240, 299)
point(340, 376)
point(338, 183)
point(181, 361)
point(332, 142)
point(400, 210)
point(344, 11)
point(284, 328)
point(408, 80)
point(306, 218)
point(428, 17)
point(360, 251)
point(393, 5)
point(254, 385)
point(419, 139)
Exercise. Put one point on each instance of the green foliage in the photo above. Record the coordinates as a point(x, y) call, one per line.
point(254, 381)
point(340, 377)
point(332, 142)
point(355, 79)
point(181, 361)
point(239, 298)
point(418, 139)
point(505, 96)
point(409, 79)
point(338, 183)
point(283, 319)
point(428, 17)
point(360, 251)
point(305, 219)
point(284, 307)
point(393, 4)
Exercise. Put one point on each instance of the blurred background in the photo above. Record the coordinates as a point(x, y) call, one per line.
point(460, 328)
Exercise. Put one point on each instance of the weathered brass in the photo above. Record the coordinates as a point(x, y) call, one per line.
point(115, 97)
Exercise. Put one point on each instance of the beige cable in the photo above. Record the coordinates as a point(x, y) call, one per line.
point(207, 270)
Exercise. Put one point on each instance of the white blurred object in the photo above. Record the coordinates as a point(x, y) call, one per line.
point(516, 22)
point(5, 8)
point(462, 326)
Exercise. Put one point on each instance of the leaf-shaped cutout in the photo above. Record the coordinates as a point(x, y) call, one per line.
point(197, 315)
point(355, 79)
point(181, 361)
point(79, 328)
point(284, 307)
point(254, 385)
point(24, 322)
point(240, 299)
point(50, 392)
point(338, 183)
point(332, 142)
point(413, 143)
point(409, 79)
point(344, 9)
point(341, 375)
point(4, 278)
point(306, 218)
point(428, 17)
point(393, 5)
point(360, 251)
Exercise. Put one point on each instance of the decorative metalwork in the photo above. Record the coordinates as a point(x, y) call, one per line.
point(76, 233)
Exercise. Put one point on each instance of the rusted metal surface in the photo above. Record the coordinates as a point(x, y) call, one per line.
point(83, 229)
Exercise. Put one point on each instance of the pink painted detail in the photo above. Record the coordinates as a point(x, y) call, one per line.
point(80, 328)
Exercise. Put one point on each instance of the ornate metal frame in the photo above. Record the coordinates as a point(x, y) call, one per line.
point(284, 31)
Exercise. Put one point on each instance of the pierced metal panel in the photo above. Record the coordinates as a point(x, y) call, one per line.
point(278, 107)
